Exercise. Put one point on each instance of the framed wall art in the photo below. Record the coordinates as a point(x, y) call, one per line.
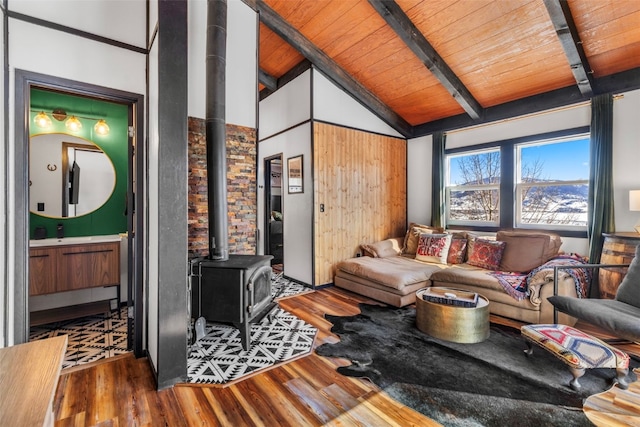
point(294, 174)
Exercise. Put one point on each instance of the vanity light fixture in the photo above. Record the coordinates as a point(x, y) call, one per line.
point(42, 120)
point(73, 124)
point(101, 127)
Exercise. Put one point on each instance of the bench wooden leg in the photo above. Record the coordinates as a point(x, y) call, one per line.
point(577, 373)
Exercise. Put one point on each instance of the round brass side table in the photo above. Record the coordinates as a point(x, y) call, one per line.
point(465, 325)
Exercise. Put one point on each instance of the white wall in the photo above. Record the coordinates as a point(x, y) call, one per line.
point(288, 106)
point(241, 78)
point(332, 104)
point(121, 20)
point(419, 179)
point(80, 59)
point(626, 147)
point(297, 209)
point(626, 128)
point(38, 49)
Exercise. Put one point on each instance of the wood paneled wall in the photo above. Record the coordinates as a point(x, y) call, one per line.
point(361, 179)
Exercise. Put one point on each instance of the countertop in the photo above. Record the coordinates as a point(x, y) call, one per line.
point(75, 240)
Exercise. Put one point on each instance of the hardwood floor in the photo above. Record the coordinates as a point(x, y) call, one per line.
point(305, 392)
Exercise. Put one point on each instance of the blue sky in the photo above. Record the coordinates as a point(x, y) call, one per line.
point(567, 161)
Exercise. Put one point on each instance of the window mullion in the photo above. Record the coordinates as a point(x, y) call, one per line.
point(507, 187)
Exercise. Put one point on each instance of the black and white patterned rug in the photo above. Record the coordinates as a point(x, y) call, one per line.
point(218, 357)
point(90, 338)
point(282, 287)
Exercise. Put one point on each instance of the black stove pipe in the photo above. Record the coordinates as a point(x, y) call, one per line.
point(216, 140)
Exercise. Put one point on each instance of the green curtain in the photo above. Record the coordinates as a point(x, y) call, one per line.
point(437, 183)
point(601, 212)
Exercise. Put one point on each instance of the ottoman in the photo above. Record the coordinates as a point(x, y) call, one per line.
point(578, 350)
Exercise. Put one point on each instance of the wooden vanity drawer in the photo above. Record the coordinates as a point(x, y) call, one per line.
point(71, 267)
point(42, 271)
point(88, 266)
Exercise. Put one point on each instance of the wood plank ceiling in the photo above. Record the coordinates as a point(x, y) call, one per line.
point(438, 64)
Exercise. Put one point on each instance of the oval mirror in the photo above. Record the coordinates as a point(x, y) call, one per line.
point(68, 176)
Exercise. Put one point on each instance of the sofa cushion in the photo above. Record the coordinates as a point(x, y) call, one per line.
point(457, 251)
point(394, 272)
point(485, 253)
point(526, 250)
point(629, 289)
point(413, 235)
point(433, 248)
point(383, 248)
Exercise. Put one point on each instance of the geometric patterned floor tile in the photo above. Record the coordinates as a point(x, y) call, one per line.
point(218, 357)
point(90, 338)
point(283, 288)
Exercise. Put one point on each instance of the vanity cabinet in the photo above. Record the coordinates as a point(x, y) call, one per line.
point(71, 267)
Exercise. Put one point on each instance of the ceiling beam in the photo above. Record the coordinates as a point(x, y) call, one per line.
point(413, 38)
point(624, 81)
point(570, 39)
point(330, 68)
point(267, 80)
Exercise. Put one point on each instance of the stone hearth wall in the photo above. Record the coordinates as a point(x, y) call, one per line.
point(241, 189)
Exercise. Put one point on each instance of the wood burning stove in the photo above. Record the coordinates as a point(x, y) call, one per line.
point(236, 291)
point(224, 288)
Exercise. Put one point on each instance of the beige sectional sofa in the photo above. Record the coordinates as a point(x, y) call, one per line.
point(390, 273)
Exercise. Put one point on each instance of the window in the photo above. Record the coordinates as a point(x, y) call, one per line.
point(552, 186)
point(532, 182)
point(473, 190)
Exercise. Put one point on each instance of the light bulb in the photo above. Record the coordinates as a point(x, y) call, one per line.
point(73, 124)
point(42, 120)
point(101, 128)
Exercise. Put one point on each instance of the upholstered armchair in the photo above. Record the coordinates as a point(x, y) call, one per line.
point(620, 316)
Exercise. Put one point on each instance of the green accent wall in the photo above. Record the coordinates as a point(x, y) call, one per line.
point(110, 218)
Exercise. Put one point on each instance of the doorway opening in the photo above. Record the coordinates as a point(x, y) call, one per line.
point(68, 217)
point(274, 215)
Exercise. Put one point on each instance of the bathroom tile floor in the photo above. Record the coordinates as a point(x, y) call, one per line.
point(90, 338)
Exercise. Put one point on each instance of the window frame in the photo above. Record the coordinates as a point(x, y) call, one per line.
point(508, 215)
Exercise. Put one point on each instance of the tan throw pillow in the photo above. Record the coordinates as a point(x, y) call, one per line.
point(413, 235)
point(383, 249)
point(527, 250)
point(433, 248)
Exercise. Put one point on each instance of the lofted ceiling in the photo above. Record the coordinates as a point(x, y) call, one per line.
point(427, 65)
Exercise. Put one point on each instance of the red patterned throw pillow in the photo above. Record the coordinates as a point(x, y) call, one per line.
point(433, 248)
point(485, 253)
point(457, 251)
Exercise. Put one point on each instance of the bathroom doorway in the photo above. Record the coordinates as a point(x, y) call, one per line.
point(274, 214)
point(60, 100)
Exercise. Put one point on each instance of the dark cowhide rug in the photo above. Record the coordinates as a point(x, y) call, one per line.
point(492, 383)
